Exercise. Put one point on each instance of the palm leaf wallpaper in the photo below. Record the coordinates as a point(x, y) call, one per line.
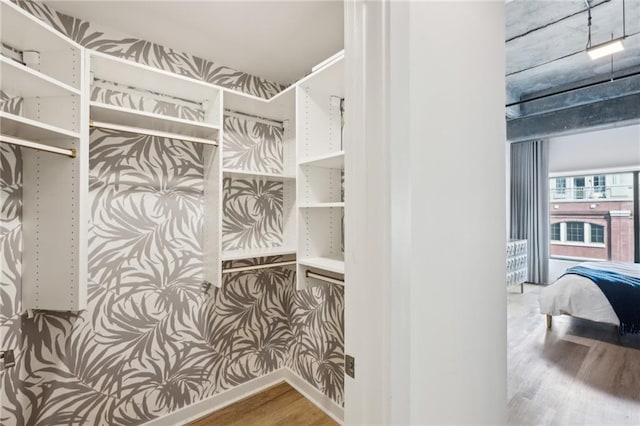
point(145, 52)
point(152, 339)
point(10, 104)
point(252, 146)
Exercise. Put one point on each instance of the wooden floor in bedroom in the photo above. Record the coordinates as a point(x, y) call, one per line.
point(278, 405)
point(577, 373)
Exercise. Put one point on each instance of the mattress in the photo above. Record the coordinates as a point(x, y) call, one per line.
point(579, 297)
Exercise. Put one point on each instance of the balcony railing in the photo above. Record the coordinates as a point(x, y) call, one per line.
point(608, 192)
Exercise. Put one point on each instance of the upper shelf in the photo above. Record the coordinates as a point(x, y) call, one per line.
point(133, 74)
point(22, 31)
point(249, 254)
point(147, 120)
point(20, 80)
point(25, 128)
point(331, 264)
point(248, 173)
point(333, 160)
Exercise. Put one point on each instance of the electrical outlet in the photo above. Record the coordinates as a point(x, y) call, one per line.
point(350, 366)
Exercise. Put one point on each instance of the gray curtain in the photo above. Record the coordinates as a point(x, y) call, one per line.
point(530, 203)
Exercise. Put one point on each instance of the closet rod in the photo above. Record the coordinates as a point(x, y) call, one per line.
point(321, 277)
point(257, 118)
point(38, 146)
point(261, 266)
point(150, 132)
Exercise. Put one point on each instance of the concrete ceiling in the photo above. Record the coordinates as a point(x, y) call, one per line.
point(546, 40)
point(277, 40)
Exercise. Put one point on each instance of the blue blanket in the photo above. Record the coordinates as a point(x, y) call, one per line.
point(622, 291)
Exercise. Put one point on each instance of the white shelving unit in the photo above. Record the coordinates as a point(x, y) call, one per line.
point(146, 82)
point(279, 110)
point(319, 103)
point(46, 70)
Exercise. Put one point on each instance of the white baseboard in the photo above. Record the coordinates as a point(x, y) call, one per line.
point(320, 400)
point(207, 406)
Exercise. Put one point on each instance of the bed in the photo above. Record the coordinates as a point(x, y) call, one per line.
point(607, 292)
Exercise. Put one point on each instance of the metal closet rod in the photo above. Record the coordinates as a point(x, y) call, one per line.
point(261, 266)
point(253, 117)
point(321, 277)
point(38, 146)
point(150, 132)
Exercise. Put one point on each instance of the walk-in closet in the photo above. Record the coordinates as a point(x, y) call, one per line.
point(172, 228)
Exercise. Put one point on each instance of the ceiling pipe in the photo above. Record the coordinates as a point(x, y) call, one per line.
point(583, 86)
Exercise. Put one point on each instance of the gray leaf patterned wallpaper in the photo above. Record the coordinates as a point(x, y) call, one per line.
point(152, 340)
point(252, 146)
point(91, 36)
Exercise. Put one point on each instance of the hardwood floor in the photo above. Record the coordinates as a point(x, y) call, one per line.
point(278, 405)
point(577, 373)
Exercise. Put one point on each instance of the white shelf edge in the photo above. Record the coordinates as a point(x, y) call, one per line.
point(321, 205)
point(326, 263)
point(228, 171)
point(40, 76)
point(147, 114)
point(309, 161)
point(48, 127)
point(253, 253)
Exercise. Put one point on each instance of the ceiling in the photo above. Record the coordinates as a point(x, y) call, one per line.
point(277, 40)
point(546, 40)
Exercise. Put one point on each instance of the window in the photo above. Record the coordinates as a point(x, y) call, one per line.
point(599, 184)
point(597, 233)
point(575, 231)
point(561, 186)
point(578, 184)
point(555, 232)
point(595, 218)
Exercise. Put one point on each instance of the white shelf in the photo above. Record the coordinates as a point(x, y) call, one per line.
point(248, 254)
point(20, 80)
point(280, 107)
point(321, 205)
point(139, 76)
point(334, 160)
point(250, 174)
point(23, 31)
point(25, 128)
point(147, 120)
point(331, 264)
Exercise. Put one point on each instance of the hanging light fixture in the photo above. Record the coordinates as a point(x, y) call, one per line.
point(609, 47)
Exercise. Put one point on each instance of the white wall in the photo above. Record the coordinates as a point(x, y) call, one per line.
point(457, 140)
point(610, 148)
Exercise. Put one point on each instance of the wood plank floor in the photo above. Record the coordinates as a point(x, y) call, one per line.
point(577, 373)
point(278, 405)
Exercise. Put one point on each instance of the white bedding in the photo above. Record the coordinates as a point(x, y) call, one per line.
point(579, 297)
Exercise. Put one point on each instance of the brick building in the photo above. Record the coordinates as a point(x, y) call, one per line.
point(591, 217)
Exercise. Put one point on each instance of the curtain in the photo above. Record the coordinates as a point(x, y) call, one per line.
point(530, 203)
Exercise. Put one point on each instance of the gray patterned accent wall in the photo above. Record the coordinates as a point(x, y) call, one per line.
point(108, 41)
point(152, 340)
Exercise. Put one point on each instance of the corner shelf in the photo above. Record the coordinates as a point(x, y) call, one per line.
point(326, 263)
point(251, 253)
point(26, 128)
point(334, 160)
